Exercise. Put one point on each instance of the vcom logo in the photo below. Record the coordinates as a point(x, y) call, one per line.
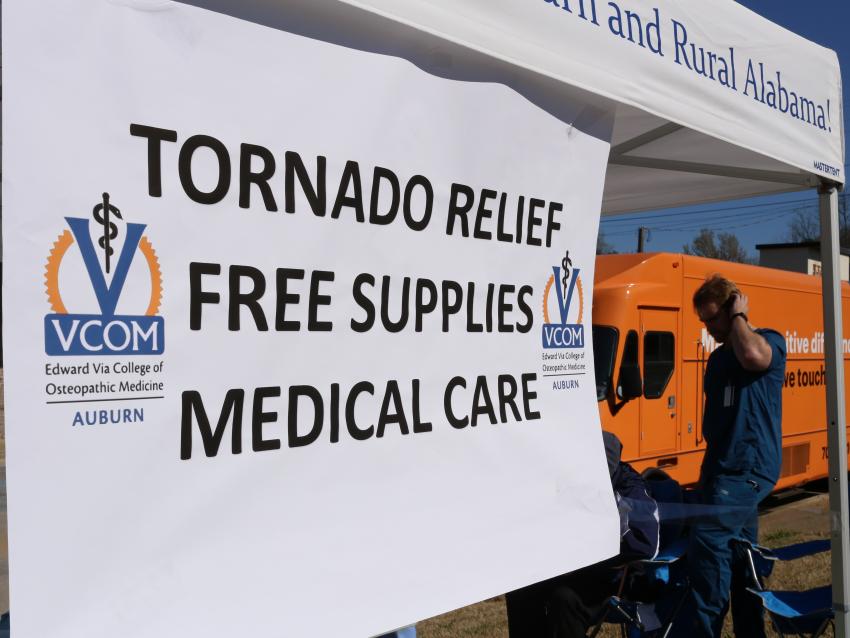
point(566, 305)
point(90, 279)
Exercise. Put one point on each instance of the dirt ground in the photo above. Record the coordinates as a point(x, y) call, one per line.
point(795, 516)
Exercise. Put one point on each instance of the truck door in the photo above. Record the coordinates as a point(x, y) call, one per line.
point(659, 403)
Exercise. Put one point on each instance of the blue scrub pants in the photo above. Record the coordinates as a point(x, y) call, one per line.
point(715, 568)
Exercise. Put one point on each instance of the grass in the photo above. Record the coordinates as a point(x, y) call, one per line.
point(487, 618)
point(779, 537)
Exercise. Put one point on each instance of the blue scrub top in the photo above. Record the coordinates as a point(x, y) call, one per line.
point(743, 413)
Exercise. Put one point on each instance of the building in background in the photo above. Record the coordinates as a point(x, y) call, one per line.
point(799, 257)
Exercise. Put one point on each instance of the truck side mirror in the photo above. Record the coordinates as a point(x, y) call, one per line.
point(630, 384)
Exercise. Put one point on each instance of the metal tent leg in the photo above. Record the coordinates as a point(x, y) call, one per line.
point(835, 408)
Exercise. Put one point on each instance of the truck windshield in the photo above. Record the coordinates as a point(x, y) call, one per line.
point(604, 349)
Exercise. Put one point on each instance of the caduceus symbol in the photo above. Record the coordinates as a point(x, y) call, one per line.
point(565, 264)
point(101, 214)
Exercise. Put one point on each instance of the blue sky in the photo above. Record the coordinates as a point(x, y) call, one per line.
point(759, 220)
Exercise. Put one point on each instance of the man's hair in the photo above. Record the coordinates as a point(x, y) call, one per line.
point(715, 289)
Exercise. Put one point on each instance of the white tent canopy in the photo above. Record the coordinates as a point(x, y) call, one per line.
point(692, 137)
point(669, 118)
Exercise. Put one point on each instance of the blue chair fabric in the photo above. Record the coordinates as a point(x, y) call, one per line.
point(651, 606)
point(800, 613)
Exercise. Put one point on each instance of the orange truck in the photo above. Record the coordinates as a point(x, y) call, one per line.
point(651, 351)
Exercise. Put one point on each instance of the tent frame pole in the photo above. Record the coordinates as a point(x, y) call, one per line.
point(835, 408)
point(701, 168)
point(619, 156)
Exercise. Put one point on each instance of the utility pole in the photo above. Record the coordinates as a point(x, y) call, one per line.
point(643, 237)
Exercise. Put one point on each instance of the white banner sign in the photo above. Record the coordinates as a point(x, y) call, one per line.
point(297, 336)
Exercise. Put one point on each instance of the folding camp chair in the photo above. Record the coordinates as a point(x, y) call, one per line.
point(664, 588)
point(634, 618)
point(797, 613)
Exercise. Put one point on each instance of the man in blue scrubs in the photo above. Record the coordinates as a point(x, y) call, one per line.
point(743, 434)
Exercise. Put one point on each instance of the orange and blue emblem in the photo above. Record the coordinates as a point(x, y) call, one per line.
point(106, 332)
point(566, 306)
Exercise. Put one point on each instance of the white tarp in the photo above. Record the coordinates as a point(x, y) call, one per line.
point(130, 514)
point(714, 67)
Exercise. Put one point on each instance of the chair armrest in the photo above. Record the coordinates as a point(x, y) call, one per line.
point(669, 554)
point(799, 550)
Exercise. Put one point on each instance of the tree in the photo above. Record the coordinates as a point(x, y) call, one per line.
point(805, 225)
point(723, 246)
point(602, 246)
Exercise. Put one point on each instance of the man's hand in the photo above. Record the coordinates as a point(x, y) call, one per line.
point(752, 350)
point(740, 303)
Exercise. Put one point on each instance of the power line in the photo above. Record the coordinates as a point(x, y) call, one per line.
point(724, 227)
point(704, 225)
point(642, 216)
point(719, 218)
point(724, 218)
point(718, 222)
point(711, 219)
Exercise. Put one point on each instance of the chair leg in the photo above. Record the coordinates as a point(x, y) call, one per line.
point(629, 620)
point(598, 627)
point(774, 624)
point(675, 614)
point(826, 623)
point(796, 631)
